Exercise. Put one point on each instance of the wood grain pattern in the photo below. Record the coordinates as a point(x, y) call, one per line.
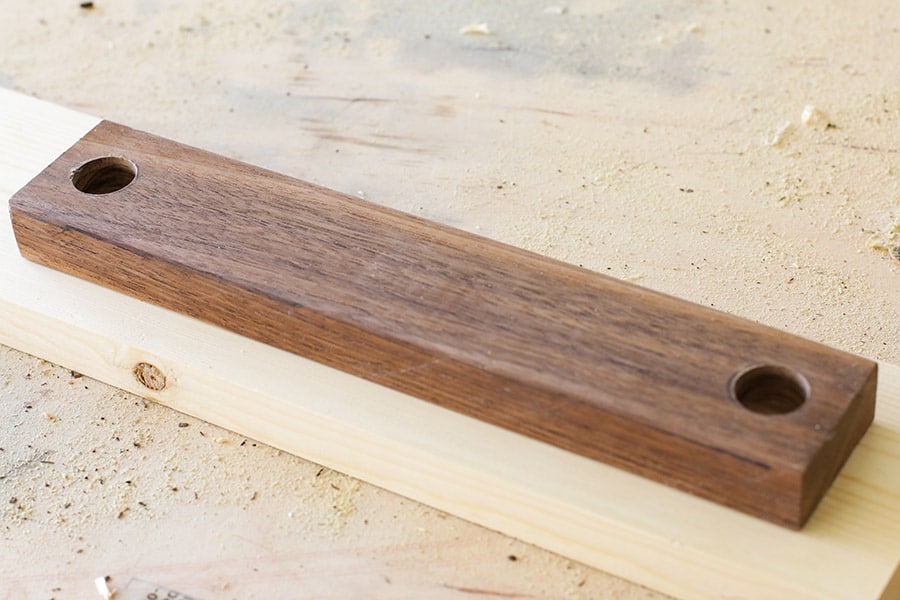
point(593, 365)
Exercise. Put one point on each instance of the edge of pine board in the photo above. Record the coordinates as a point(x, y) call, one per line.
point(579, 508)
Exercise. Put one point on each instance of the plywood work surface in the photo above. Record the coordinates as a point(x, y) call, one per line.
point(667, 145)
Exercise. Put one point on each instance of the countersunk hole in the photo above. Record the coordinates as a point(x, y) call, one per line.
point(769, 389)
point(104, 175)
point(149, 376)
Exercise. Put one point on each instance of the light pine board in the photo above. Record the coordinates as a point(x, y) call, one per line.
point(592, 513)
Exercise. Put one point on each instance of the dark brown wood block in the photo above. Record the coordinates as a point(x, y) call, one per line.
point(720, 407)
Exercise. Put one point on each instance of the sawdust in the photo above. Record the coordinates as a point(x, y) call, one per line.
point(886, 237)
point(107, 459)
point(103, 474)
point(123, 486)
point(334, 489)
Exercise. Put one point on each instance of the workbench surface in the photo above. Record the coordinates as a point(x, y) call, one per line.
point(735, 154)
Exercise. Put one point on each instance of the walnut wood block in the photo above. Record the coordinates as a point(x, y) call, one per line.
point(596, 366)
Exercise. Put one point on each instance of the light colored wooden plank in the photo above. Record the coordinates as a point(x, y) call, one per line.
point(582, 509)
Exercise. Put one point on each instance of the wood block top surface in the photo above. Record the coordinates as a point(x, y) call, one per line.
point(720, 407)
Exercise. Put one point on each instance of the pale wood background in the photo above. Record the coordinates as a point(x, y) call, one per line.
point(631, 137)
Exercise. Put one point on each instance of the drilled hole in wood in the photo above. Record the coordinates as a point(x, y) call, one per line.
point(104, 175)
point(149, 376)
point(769, 389)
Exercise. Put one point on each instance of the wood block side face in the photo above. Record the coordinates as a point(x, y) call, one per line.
point(593, 365)
point(835, 451)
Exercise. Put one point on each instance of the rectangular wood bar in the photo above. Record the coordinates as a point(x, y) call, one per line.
point(738, 413)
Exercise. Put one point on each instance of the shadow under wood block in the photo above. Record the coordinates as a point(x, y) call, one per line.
point(720, 407)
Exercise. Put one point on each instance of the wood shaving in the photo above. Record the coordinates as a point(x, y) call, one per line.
point(812, 116)
point(476, 29)
point(779, 134)
point(887, 237)
point(104, 590)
